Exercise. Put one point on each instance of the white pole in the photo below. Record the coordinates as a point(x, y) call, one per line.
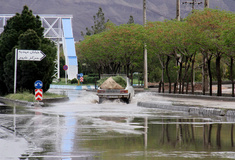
point(145, 49)
point(15, 75)
point(58, 59)
point(65, 76)
point(178, 10)
point(146, 132)
point(206, 3)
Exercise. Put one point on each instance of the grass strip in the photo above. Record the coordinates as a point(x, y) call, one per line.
point(29, 97)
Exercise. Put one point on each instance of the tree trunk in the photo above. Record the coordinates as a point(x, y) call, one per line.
point(231, 73)
point(167, 73)
point(163, 68)
point(187, 85)
point(218, 74)
point(203, 75)
point(99, 71)
point(180, 78)
point(192, 75)
point(132, 69)
point(185, 78)
point(175, 87)
point(116, 68)
point(127, 70)
point(182, 88)
point(210, 74)
point(162, 79)
point(163, 87)
point(160, 86)
point(169, 87)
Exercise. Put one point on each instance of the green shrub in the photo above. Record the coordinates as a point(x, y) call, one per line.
point(120, 80)
point(23, 96)
point(88, 80)
point(91, 78)
point(74, 81)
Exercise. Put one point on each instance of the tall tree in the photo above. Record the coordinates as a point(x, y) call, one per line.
point(131, 20)
point(99, 24)
point(213, 24)
point(116, 47)
point(24, 31)
point(229, 37)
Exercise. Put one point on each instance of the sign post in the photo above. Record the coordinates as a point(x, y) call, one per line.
point(26, 55)
point(80, 78)
point(15, 74)
point(65, 67)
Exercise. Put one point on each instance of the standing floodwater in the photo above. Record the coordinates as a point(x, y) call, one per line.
point(82, 129)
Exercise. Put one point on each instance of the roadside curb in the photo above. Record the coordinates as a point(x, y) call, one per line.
point(80, 87)
point(26, 103)
point(196, 96)
point(208, 111)
point(52, 100)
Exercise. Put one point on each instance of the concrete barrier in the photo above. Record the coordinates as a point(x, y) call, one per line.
point(208, 111)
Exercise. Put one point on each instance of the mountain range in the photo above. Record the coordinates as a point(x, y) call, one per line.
point(117, 11)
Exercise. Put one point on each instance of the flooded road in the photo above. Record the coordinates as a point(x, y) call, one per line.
point(82, 129)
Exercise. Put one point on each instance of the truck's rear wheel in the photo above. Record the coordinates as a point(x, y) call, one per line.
point(126, 100)
point(101, 100)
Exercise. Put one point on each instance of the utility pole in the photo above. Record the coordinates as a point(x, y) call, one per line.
point(178, 10)
point(145, 49)
point(193, 2)
point(206, 4)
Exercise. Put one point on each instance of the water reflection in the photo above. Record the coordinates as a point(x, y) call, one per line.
point(10, 138)
point(170, 139)
point(4, 109)
point(194, 133)
point(68, 136)
point(79, 129)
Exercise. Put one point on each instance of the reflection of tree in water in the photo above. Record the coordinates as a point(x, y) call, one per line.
point(184, 133)
point(207, 134)
point(207, 130)
point(232, 135)
point(218, 135)
point(189, 133)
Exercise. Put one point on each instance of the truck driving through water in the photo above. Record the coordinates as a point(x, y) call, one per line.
point(115, 87)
